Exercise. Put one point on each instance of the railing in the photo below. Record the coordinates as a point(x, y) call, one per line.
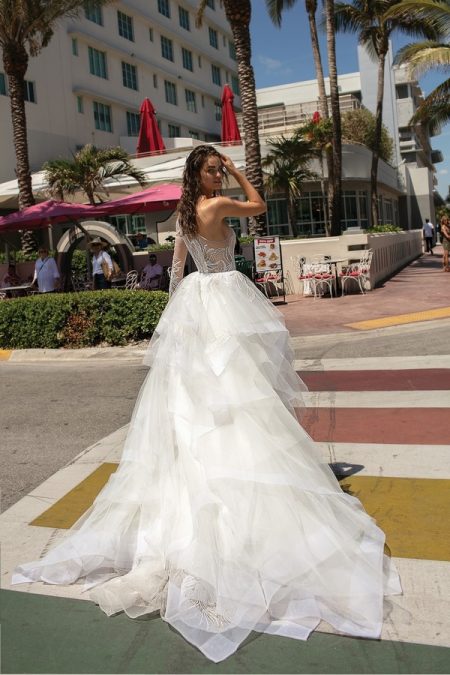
point(284, 118)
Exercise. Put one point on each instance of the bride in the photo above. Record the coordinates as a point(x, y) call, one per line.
point(221, 515)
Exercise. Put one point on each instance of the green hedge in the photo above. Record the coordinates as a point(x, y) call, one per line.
point(80, 319)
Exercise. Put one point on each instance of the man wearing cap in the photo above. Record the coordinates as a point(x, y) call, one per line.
point(99, 258)
point(46, 273)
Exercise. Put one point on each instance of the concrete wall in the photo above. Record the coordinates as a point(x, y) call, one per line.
point(392, 251)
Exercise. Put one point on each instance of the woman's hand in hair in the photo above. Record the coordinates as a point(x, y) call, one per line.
point(227, 164)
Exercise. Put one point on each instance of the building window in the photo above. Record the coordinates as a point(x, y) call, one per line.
point(155, 80)
point(102, 117)
point(125, 25)
point(166, 48)
point(191, 101)
point(29, 92)
point(203, 101)
point(235, 85)
point(3, 88)
point(164, 8)
point(183, 15)
point(199, 59)
point(211, 4)
point(174, 131)
point(94, 13)
point(133, 123)
point(402, 90)
point(97, 63)
point(213, 41)
point(74, 46)
point(129, 76)
point(194, 134)
point(218, 110)
point(150, 34)
point(187, 59)
point(215, 73)
point(171, 92)
point(277, 216)
point(232, 50)
point(80, 104)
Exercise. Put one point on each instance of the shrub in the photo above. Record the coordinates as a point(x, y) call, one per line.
point(80, 319)
point(383, 228)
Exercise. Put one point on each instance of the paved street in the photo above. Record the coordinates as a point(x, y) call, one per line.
point(378, 402)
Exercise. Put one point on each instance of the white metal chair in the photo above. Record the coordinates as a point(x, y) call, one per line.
point(131, 280)
point(322, 278)
point(358, 272)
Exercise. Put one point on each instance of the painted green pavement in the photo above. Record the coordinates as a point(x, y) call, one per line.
point(41, 634)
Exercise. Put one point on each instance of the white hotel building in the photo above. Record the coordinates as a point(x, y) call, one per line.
point(88, 84)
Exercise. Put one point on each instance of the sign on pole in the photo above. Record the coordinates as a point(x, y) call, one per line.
point(268, 259)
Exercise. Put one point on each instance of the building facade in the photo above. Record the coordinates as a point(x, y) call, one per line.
point(88, 84)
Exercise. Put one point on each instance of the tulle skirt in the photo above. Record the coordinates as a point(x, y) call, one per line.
point(221, 515)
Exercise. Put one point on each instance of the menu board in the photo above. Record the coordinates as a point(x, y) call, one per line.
point(267, 254)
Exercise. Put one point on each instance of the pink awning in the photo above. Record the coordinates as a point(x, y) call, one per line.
point(150, 139)
point(230, 130)
point(158, 198)
point(43, 214)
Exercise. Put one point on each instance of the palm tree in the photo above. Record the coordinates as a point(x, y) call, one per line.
point(374, 26)
point(423, 56)
point(26, 27)
point(333, 150)
point(238, 13)
point(319, 132)
point(287, 161)
point(88, 171)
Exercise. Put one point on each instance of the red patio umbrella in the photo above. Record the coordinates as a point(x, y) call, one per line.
point(150, 139)
point(43, 214)
point(230, 130)
point(156, 198)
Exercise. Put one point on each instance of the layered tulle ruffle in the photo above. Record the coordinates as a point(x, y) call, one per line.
point(221, 515)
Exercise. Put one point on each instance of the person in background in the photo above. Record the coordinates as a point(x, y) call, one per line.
point(11, 277)
point(46, 273)
point(99, 257)
point(445, 240)
point(141, 240)
point(428, 234)
point(151, 274)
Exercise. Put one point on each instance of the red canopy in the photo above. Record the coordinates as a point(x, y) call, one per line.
point(43, 214)
point(230, 129)
point(158, 198)
point(150, 139)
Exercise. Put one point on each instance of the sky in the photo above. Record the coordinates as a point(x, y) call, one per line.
point(283, 55)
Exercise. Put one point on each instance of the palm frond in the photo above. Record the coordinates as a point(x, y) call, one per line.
point(435, 12)
point(276, 8)
point(420, 57)
point(199, 13)
point(434, 111)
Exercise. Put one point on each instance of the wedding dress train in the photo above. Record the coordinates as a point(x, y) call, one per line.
point(221, 515)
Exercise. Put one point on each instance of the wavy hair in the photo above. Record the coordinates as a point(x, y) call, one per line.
point(192, 190)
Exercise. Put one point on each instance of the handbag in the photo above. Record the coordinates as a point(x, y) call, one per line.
point(107, 272)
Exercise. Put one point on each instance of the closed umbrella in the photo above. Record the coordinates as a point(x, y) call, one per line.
point(230, 130)
point(150, 139)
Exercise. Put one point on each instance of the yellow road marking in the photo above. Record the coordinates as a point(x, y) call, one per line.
point(413, 512)
point(5, 354)
point(385, 321)
point(67, 510)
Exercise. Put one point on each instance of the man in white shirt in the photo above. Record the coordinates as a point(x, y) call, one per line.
point(428, 233)
point(100, 258)
point(46, 273)
point(151, 274)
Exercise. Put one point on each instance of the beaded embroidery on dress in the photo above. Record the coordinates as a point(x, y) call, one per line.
point(221, 514)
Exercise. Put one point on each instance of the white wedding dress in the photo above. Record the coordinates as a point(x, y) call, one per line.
point(221, 516)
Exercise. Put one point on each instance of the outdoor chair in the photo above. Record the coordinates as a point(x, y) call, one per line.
point(322, 278)
point(358, 272)
point(131, 280)
point(3, 296)
point(270, 281)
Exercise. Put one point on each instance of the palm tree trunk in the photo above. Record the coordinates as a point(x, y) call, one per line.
point(15, 63)
point(238, 13)
point(335, 181)
point(377, 140)
point(291, 214)
point(311, 11)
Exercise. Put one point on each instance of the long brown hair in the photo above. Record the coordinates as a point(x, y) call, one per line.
point(192, 190)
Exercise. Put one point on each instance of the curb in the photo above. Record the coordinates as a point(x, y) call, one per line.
point(86, 353)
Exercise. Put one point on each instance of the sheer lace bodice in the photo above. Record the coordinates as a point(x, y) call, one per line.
point(209, 256)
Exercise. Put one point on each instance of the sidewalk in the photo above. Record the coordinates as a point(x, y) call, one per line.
point(381, 423)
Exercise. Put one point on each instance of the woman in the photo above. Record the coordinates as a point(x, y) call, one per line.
point(220, 515)
point(101, 261)
point(445, 240)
